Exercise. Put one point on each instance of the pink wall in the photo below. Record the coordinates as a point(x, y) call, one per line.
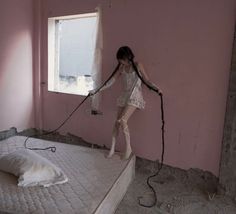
point(16, 94)
point(186, 49)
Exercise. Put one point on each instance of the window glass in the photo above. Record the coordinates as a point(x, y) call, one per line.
point(72, 53)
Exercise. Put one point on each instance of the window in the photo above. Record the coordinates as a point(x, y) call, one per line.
point(71, 49)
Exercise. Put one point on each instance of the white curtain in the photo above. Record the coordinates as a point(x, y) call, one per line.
point(97, 63)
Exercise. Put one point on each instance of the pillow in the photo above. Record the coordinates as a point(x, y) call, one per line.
point(32, 169)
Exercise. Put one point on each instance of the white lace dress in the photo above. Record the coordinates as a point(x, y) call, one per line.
point(132, 92)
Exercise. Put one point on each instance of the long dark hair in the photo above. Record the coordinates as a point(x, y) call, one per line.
point(125, 53)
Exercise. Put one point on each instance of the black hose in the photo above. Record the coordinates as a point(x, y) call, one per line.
point(53, 148)
point(162, 136)
point(162, 159)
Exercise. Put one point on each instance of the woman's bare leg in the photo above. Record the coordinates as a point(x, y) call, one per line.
point(125, 115)
point(115, 132)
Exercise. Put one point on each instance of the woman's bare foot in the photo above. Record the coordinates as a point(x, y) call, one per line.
point(110, 154)
point(127, 153)
point(112, 149)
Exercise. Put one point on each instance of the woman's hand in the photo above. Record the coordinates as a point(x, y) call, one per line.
point(155, 87)
point(145, 76)
point(92, 92)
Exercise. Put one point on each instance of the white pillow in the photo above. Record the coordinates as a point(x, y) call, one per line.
point(32, 169)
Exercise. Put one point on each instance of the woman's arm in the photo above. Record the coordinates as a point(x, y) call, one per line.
point(142, 72)
point(108, 84)
point(145, 77)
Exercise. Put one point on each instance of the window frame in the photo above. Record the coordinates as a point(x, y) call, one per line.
point(53, 55)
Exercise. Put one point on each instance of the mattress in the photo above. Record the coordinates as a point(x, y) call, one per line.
point(96, 184)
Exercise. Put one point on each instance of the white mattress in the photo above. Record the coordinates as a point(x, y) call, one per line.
point(91, 178)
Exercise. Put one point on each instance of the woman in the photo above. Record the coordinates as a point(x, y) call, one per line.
point(131, 99)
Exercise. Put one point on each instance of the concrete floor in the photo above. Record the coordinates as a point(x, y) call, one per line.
point(178, 191)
